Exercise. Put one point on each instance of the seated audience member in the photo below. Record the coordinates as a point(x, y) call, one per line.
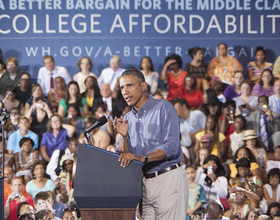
point(223, 66)
point(12, 201)
point(25, 208)
point(70, 213)
point(36, 92)
point(193, 95)
point(274, 162)
point(45, 214)
point(203, 152)
point(264, 217)
point(85, 65)
point(56, 137)
point(196, 194)
point(8, 159)
point(25, 159)
point(23, 91)
point(218, 139)
point(98, 137)
point(113, 106)
point(56, 95)
point(14, 116)
point(236, 138)
point(198, 67)
point(245, 103)
point(72, 118)
point(234, 90)
point(9, 174)
point(23, 131)
point(211, 177)
point(255, 68)
point(175, 77)
point(53, 167)
point(272, 188)
point(265, 86)
point(276, 68)
point(272, 208)
point(73, 96)
point(151, 76)
point(57, 206)
point(245, 180)
point(112, 73)
point(49, 72)
point(274, 100)
point(42, 201)
point(11, 101)
point(276, 215)
point(264, 122)
point(92, 91)
point(246, 153)
point(12, 75)
point(212, 104)
point(253, 214)
point(39, 183)
point(238, 202)
point(215, 210)
point(38, 115)
point(217, 85)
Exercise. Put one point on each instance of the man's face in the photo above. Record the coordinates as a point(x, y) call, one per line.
point(23, 124)
point(17, 186)
point(24, 81)
point(180, 109)
point(132, 90)
point(11, 67)
point(71, 215)
point(49, 64)
point(115, 65)
point(9, 174)
point(105, 91)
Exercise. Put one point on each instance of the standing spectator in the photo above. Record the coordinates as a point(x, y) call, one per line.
point(12, 75)
point(23, 131)
point(198, 68)
point(110, 74)
point(151, 76)
point(234, 90)
point(49, 72)
point(274, 100)
point(12, 201)
point(175, 77)
point(223, 66)
point(85, 65)
point(255, 68)
point(56, 137)
point(265, 85)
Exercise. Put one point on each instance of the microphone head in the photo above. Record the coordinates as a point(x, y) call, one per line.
point(102, 120)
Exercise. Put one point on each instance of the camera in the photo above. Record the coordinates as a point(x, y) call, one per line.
point(17, 195)
point(39, 105)
point(232, 195)
point(262, 107)
point(231, 110)
point(69, 116)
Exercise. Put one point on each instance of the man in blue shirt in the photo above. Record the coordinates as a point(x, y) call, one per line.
point(14, 139)
point(150, 133)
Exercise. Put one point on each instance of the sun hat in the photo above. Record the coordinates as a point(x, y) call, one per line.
point(249, 134)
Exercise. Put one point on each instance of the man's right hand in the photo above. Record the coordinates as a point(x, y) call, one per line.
point(121, 126)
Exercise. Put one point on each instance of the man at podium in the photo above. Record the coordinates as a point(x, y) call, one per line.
point(150, 134)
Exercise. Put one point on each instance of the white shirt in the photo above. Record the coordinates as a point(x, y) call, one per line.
point(273, 103)
point(107, 76)
point(44, 77)
point(236, 141)
point(81, 80)
point(109, 106)
point(195, 122)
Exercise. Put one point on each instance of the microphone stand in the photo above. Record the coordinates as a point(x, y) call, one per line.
point(4, 118)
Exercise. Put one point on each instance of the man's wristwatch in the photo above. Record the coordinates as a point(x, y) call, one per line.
point(146, 157)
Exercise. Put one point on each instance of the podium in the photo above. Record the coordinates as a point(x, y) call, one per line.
point(102, 188)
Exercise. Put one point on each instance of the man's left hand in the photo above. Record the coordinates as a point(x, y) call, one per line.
point(126, 158)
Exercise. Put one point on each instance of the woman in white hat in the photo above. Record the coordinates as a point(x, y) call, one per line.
point(257, 147)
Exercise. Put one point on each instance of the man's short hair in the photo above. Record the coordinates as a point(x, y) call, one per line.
point(41, 195)
point(265, 97)
point(181, 101)
point(12, 59)
point(134, 72)
point(19, 207)
point(116, 58)
point(17, 178)
point(48, 57)
point(69, 209)
point(22, 118)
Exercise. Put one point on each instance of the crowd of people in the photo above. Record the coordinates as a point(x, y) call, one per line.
point(229, 131)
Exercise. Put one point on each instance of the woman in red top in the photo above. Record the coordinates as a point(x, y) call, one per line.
point(175, 77)
point(193, 95)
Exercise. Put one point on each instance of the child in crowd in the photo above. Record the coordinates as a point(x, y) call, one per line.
point(196, 194)
point(55, 95)
point(203, 152)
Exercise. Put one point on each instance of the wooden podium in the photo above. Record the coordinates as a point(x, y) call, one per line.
point(102, 188)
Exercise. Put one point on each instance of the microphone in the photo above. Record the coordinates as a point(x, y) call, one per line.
point(101, 121)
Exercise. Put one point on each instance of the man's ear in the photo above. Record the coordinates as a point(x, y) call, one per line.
point(144, 86)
